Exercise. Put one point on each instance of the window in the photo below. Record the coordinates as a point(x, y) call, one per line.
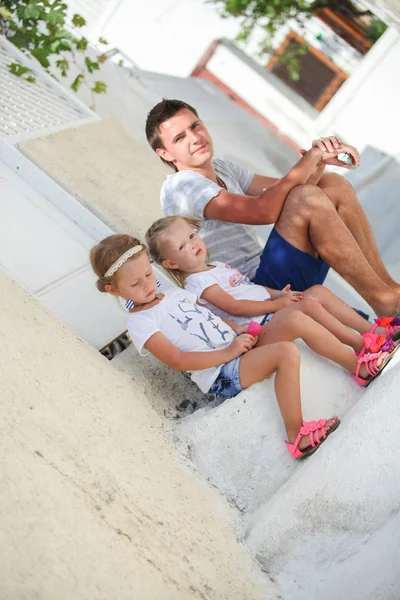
point(319, 77)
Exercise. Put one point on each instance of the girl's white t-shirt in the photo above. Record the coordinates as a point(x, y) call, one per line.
point(189, 327)
point(231, 281)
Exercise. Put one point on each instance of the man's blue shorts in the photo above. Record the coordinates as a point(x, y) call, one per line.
point(281, 263)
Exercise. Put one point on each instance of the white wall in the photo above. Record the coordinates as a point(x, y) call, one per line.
point(365, 111)
point(167, 36)
point(261, 94)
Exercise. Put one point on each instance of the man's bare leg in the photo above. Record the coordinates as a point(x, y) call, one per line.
point(344, 199)
point(309, 222)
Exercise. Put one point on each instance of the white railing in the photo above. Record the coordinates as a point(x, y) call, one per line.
point(29, 108)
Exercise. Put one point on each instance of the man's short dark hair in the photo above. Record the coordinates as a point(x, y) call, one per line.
point(161, 112)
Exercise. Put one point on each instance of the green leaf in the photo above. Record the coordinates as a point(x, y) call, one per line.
point(32, 11)
point(81, 44)
point(103, 41)
point(6, 14)
point(54, 46)
point(99, 87)
point(21, 39)
point(31, 79)
point(63, 65)
point(102, 58)
point(41, 54)
point(91, 65)
point(18, 69)
point(64, 46)
point(55, 17)
point(76, 84)
point(62, 33)
point(78, 21)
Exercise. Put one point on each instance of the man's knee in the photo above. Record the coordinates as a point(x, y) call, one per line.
point(334, 181)
point(307, 197)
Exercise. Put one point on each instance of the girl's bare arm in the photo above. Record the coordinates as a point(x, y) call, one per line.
point(170, 355)
point(242, 308)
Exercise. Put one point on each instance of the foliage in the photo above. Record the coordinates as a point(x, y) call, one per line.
point(290, 59)
point(41, 29)
point(375, 29)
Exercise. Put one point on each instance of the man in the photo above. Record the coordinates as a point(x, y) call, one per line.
point(318, 220)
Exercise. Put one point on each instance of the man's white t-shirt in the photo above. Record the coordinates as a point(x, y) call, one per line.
point(188, 193)
point(189, 327)
point(231, 281)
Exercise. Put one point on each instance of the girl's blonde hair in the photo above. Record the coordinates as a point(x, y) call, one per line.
point(153, 238)
point(107, 252)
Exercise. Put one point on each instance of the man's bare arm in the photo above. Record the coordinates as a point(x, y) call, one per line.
point(260, 183)
point(266, 207)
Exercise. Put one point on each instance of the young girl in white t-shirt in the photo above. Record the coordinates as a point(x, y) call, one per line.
point(189, 337)
point(317, 316)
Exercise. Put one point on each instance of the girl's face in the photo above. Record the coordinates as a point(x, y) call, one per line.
point(183, 248)
point(136, 280)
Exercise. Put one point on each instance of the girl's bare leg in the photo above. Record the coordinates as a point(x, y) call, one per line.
point(339, 309)
point(288, 325)
point(282, 358)
point(315, 310)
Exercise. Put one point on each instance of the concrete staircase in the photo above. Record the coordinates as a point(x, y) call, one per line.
point(328, 526)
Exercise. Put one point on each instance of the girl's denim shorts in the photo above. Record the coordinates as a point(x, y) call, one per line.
point(227, 385)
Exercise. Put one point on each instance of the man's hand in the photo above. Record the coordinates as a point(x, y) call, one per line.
point(288, 293)
point(329, 144)
point(332, 146)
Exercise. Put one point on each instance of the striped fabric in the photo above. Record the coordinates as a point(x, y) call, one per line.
point(130, 303)
point(187, 193)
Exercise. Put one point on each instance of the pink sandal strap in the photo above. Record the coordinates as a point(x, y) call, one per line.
point(371, 364)
point(313, 429)
point(372, 367)
point(317, 433)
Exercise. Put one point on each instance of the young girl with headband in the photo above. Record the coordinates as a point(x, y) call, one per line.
point(189, 337)
point(317, 316)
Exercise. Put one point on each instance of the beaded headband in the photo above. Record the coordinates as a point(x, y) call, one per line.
point(122, 259)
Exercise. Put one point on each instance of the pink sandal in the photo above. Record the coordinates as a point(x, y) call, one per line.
point(371, 362)
point(317, 433)
point(391, 324)
point(375, 342)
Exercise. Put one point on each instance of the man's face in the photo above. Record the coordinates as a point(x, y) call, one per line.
point(186, 141)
